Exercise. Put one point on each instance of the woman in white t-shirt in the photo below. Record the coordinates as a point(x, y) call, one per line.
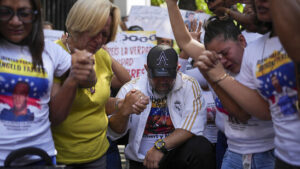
point(267, 88)
point(247, 137)
point(28, 66)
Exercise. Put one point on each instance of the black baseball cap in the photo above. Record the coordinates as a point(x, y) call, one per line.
point(162, 61)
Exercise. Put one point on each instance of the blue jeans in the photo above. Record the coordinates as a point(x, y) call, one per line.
point(264, 160)
point(113, 159)
point(100, 163)
point(221, 148)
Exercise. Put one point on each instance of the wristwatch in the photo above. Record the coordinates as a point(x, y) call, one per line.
point(160, 145)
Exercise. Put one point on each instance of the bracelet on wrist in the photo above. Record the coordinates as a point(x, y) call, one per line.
point(221, 78)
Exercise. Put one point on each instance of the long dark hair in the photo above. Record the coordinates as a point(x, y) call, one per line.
point(35, 40)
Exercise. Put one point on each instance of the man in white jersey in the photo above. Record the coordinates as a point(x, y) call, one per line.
point(168, 133)
point(186, 67)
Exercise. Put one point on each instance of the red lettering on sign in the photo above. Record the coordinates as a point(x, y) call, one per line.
point(136, 72)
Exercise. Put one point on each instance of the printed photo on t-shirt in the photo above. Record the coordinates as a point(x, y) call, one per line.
point(211, 113)
point(21, 88)
point(278, 82)
point(159, 121)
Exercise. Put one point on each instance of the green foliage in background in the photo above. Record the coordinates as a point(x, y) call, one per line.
point(157, 2)
point(201, 5)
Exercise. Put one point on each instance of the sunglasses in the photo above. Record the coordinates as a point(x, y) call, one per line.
point(24, 14)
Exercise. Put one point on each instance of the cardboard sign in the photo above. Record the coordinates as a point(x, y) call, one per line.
point(131, 48)
point(152, 18)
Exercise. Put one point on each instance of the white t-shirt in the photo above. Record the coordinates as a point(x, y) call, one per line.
point(187, 68)
point(211, 130)
point(253, 137)
point(159, 124)
point(17, 78)
point(221, 113)
point(251, 36)
point(267, 68)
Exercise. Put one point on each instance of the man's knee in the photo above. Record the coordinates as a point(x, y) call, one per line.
point(197, 151)
point(199, 145)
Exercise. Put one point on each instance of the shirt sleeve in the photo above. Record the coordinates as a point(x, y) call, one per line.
point(61, 58)
point(193, 115)
point(245, 76)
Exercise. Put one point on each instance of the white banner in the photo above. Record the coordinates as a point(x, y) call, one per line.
point(131, 48)
point(152, 18)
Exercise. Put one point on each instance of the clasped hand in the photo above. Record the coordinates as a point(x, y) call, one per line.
point(152, 159)
point(135, 102)
point(209, 63)
point(82, 68)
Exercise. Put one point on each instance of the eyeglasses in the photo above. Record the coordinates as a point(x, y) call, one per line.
point(25, 15)
point(209, 1)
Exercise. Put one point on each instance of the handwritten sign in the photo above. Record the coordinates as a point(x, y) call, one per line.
point(152, 18)
point(131, 48)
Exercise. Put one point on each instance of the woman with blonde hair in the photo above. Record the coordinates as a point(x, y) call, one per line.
point(81, 140)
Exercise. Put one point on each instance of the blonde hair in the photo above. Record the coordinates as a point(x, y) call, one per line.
point(91, 16)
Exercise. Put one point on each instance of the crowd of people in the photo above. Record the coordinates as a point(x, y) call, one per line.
point(228, 101)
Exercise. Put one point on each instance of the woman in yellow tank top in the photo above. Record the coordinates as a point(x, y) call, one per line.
point(81, 140)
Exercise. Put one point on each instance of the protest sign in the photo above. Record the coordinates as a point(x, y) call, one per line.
point(152, 18)
point(131, 48)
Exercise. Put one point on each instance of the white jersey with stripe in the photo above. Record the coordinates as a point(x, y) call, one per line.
point(186, 107)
